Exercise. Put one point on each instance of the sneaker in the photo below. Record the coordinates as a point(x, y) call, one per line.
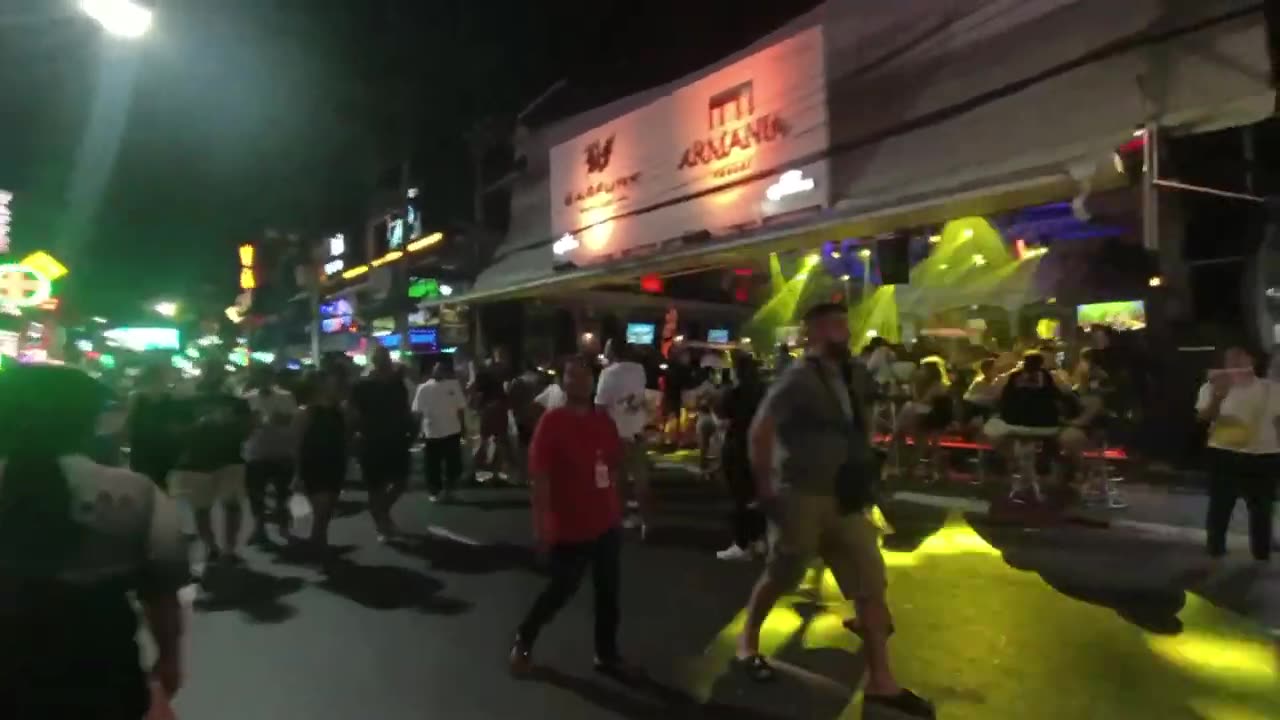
point(735, 553)
point(904, 704)
point(519, 660)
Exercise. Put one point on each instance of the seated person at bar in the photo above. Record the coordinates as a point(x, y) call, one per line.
point(981, 397)
point(1031, 405)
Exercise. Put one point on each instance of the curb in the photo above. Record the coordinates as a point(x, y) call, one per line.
point(1158, 531)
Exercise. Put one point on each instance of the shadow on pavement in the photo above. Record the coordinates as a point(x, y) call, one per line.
point(258, 595)
point(1089, 574)
point(388, 587)
point(642, 698)
point(452, 556)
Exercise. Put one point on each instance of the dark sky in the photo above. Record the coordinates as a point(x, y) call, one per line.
point(143, 164)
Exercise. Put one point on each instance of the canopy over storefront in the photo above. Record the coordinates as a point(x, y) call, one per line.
point(935, 109)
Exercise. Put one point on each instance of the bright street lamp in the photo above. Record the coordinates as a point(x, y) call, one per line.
point(166, 308)
point(123, 18)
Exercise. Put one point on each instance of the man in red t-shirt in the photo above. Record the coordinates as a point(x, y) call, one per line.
point(574, 459)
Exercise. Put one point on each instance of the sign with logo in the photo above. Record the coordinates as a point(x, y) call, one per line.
point(702, 158)
point(336, 247)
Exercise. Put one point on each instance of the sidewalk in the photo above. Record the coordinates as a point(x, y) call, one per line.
point(1165, 506)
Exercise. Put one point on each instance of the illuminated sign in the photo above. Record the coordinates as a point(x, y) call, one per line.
point(424, 288)
point(334, 266)
point(46, 265)
point(140, 339)
point(792, 182)
point(337, 245)
point(700, 158)
point(743, 131)
point(23, 286)
point(248, 280)
point(6, 219)
point(566, 243)
point(424, 242)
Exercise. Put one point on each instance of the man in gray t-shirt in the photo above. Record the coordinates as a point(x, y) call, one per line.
point(819, 430)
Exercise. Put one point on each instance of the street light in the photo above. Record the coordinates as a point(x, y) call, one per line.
point(127, 19)
point(167, 308)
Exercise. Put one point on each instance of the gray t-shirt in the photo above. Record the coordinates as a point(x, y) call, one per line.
point(812, 421)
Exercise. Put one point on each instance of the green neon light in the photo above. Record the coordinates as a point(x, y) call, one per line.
point(11, 288)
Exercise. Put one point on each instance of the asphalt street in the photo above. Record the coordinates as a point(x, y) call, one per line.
point(993, 622)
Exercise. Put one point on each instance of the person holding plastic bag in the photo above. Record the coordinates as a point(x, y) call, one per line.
point(78, 542)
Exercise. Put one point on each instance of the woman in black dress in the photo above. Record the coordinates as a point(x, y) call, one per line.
point(322, 452)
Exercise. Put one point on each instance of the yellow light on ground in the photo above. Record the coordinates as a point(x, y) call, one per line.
point(1155, 281)
point(424, 242)
point(45, 264)
point(966, 234)
point(1219, 656)
point(356, 271)
point(979, 260)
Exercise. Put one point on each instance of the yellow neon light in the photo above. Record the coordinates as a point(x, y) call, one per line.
point(247, 280)
point(355, 272)
point(424, 242)
point(246, 256)
point(46, 265)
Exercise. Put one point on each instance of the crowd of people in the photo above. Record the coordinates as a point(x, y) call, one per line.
point(797, 454)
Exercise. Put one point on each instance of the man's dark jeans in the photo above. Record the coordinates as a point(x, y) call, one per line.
point(568, 562)
point(442, 454)
point(1234, 475)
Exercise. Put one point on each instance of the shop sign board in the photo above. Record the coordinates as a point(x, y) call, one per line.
point(720, 153)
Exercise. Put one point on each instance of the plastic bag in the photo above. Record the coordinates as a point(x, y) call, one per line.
point(299, 506)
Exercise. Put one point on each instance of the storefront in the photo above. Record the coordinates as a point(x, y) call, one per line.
point(903, 122)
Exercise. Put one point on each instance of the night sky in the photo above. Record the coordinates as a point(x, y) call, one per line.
point(142, 165)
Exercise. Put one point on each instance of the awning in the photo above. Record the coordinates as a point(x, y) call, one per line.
point(946, 108)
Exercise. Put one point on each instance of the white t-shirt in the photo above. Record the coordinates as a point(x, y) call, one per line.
point(551, 397)
point(621, 392)
point(131, 529)
point(1245, 403)
point(439, 402)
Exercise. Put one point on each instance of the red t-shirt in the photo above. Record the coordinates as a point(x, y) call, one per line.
point(564, 450)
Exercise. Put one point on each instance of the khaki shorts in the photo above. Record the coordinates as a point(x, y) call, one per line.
point(204, 489)
point(812, 526)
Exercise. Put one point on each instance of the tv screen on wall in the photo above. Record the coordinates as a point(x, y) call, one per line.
point(641, 333)
point(1121, 315)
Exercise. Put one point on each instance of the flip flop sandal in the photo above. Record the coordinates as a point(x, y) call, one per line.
point(756, 667)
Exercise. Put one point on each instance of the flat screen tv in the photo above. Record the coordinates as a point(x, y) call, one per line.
point(719, 335)
point(641, 333)
point(1121, 314)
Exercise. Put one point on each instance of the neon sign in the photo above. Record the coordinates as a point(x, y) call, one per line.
point(23, 286)
point(6, 219)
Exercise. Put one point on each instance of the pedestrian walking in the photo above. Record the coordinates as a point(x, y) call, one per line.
point(815, 419)
point(737, 407)
point(77, 540)
point(384, 430)
point(322, 452)
point(210, 469)
point(442, 405)
point(622, 395)
point(1243, 412)
point(152, 425)
point(574, 464)
point(269, 452)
